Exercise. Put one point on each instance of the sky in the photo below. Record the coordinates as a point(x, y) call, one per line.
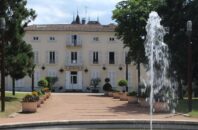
point(62, 11)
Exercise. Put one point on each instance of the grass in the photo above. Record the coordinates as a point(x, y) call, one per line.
point(183, 107)
point(12, 103)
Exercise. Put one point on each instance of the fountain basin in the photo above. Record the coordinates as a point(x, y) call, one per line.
point(104, 124)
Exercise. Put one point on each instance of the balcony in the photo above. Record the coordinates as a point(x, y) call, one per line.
point(74, 65)
point(74, 43)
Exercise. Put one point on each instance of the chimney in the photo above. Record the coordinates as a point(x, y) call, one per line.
point(83, 21)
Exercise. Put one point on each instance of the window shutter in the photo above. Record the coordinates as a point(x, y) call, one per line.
point(56, 57)
point(68, 39)
point(69, 58)
point(91, 57)
point(67, 80)
point(47, 57)
point(107, 57)
point(123, 57)
point(80, 58)
point(116, 58)
point(100, 57)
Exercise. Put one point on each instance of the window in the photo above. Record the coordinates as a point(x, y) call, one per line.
point(37, 77)
point(73, 57)
point(111, 58)
point(52, 73)
point(74, 40)
point(35, 38)
point(52, 38)
point(52, 57)
point(111, 39)
point(74, 79)
point(36, 61)
point(95, 57)
point(95, 74)
point(112, 77)
point(96, 38)
point(19, 83)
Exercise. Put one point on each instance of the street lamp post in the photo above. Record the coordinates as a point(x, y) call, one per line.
point(189, 75)
point(126, 60)
point(2, 29)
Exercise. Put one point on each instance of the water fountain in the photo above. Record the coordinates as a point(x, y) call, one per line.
point(158, 62)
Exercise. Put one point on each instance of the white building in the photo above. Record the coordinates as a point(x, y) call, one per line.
point(76, 53)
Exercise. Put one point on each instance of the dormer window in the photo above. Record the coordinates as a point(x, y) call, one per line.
point(111, 39)
point(35, 38)
point(96, 39)
point(52, 38)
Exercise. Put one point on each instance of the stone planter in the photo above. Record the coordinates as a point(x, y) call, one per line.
point(123, 97)
point(116, 95)
point(48, 94)
point(161, 107)
point(29, 107)
point(110, 94)
point(132, 99)
point(39, 103)
point(42, 99)
point(105, 93)
point(143, 102)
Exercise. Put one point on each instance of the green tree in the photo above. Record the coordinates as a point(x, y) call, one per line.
point(131, 17)
point(174, 15)
point(19, 55)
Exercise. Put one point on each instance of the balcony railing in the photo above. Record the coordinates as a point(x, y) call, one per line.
point(74, 65)
point(74, 43)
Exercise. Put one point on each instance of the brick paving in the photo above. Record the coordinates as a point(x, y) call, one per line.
point(81, 106)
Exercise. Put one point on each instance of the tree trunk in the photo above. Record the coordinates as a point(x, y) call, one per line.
point(180, 89)
point(13, 86)
point(138, 68)
point(32, 81)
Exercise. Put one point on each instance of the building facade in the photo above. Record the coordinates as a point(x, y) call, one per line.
point(76, 53)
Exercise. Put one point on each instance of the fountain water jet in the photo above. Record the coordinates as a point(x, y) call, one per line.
point(157, 53)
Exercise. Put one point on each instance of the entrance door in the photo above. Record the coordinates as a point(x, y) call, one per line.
point(74, 80)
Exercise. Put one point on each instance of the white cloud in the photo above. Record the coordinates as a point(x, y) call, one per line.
point(61, 11)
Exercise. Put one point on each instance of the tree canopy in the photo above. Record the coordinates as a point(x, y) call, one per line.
point(19, 55)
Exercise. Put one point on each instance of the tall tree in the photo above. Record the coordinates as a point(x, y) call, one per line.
point(131, 17)
point(175, 15)
point(19, 55)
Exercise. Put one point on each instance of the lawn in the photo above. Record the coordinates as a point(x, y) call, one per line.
point(183, 107)
point(12, 103)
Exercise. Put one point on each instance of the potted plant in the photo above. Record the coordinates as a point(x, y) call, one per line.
point(123, 84)
point(95, 82)
point(132, 97)
point(161, 101)
point(143, 98)
point(116, 94)
point(29, 103)
point(107, 87)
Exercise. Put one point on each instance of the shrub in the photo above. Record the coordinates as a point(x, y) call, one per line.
point(43, 83)
point(122, 83)
point(132, 93)
point(107, 87)
point(115, 90)
point(51, 81)
point(107, 80)
point(95, 82)
point(30, 98)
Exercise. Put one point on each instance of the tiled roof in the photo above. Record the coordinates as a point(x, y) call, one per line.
point(72, 27)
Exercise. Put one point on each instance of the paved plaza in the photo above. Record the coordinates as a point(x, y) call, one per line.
point(82, 106)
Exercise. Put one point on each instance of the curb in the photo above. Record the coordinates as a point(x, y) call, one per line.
point(107, 124)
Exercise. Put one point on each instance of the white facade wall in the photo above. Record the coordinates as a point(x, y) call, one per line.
point(103, 46)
